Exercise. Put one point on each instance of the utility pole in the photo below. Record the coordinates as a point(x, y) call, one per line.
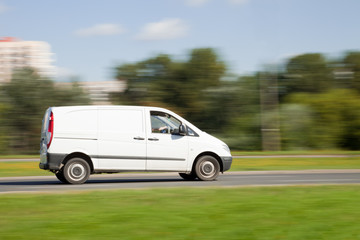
point(269, 106)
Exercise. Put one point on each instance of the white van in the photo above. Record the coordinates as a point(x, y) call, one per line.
point(78, 141)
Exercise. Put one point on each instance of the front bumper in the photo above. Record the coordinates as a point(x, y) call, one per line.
point(226, 162)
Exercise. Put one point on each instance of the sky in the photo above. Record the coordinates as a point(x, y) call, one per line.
point(90, 38)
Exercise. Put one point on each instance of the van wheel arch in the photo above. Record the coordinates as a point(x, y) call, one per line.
point(79, 155)
point(208, 154)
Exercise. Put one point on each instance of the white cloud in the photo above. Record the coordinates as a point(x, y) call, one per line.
point(196, 3)
point(101, 30)
point(238, 2)
point(166, 29)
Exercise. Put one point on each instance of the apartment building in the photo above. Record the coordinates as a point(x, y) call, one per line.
point(15, 53)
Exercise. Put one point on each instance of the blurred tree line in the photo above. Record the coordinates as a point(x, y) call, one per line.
point(314, 101)
point(23, 102)
point(317, 99)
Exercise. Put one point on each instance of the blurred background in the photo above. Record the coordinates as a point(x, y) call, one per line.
point(269, 75)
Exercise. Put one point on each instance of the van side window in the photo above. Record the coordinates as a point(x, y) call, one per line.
point(191, 132)
point(163, 123)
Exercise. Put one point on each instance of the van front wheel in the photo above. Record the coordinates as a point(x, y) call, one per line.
point(76, 171)
point(207, 168)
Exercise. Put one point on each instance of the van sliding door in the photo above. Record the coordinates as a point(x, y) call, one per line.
point(122, 144)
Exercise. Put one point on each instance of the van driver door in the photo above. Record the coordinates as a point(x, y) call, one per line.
point(165, 151)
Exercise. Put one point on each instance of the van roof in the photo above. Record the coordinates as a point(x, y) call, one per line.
point(106, 107)
point(93, 107)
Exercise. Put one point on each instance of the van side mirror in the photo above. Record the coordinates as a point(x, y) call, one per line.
point(179, 131)
point(182, 130)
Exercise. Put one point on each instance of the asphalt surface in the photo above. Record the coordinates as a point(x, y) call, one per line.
point(165, 180)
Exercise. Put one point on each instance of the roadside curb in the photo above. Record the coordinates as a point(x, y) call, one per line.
point(169, 174)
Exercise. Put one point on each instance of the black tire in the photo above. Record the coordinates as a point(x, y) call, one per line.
point(60, 176)
point(207, 168)
point(76, 171)
point(188, 177)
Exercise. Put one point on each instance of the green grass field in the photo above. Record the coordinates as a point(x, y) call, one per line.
point(20, 169)
point(312, 152)
point(18, 156)
point(316, 212)
point(294, 163)
point(299, 212)
point(11, 169)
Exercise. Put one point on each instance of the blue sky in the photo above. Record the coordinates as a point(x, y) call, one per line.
point(89, 38)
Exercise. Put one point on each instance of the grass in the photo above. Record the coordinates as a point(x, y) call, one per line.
point(294, 163)
point(20, 169)
point(292, 213)
point(307, 152)
point(12, 169)
point(19, 156)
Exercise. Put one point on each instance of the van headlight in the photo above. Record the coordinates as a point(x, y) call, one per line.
point(226, 148)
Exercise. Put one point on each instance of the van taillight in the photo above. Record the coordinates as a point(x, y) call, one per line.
point(50, 129)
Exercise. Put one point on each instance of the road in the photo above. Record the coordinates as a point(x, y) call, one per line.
point(155, 180)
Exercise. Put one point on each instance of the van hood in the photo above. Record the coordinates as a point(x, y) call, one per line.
point(213, 139)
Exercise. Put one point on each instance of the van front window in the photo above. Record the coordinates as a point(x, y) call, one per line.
point(163, 123)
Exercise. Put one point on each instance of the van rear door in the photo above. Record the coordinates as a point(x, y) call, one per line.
point(46, 134)
point(47, 129)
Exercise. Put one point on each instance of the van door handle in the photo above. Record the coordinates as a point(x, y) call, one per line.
point(139, 138)
point(153, 139)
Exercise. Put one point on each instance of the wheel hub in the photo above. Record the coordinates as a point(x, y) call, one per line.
point(207, 168)
point(77, 171)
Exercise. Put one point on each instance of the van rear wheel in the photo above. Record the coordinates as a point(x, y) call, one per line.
point(60, 176)
point(76, 171)
point(207, 168)
point(188, 177)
